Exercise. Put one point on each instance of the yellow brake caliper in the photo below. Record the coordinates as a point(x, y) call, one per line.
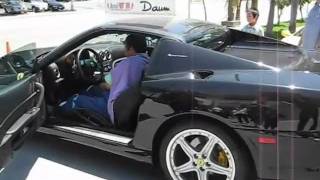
point(223, 159)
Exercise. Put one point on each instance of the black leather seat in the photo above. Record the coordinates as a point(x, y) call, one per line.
point(126, 109)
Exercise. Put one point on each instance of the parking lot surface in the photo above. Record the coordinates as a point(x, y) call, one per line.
point(46, 158)
point(47, 29)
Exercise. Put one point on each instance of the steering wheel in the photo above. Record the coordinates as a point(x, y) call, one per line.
point(81, 72)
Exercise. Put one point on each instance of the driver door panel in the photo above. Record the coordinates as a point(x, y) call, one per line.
point(21, 109)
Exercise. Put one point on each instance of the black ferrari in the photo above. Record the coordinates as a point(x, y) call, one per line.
point(214, 104)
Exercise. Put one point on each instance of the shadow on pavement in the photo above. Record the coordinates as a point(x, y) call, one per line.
point(6, 14)
point(89, 160)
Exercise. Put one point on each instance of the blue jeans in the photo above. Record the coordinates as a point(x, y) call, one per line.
point(311, 33)
point(93, 98)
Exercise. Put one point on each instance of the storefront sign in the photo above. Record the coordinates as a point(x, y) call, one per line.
point(163, 7)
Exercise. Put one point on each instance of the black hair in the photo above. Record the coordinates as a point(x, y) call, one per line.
point(254, 12)
point(137, 42)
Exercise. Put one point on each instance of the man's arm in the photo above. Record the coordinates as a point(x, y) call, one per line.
point(105, 86)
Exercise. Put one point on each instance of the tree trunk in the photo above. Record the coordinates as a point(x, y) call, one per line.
point(271, 18)
point(278, 13)
point(293, 17)
point(254, 4)
point(72, 5)
point(238, 10)
point(247, 5)
point(205, 10)
point(301, 13)
point(232, 9)
point(189, 9)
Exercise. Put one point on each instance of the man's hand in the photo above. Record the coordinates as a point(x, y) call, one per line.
point(105, 86)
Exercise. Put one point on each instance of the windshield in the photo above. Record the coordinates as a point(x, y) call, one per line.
point(113, 39)
point(13, 2)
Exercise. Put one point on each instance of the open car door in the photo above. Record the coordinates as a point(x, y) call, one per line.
point(21, 107)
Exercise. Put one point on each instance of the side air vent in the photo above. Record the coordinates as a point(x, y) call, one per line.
point(202, 74)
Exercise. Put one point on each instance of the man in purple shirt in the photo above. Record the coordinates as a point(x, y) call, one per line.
point(127, 73)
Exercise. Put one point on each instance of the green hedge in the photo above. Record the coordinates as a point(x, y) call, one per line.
point(278, 30)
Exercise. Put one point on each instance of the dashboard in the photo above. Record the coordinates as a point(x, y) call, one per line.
point(67, 63)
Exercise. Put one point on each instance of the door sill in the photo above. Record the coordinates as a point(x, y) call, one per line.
point(95, 134)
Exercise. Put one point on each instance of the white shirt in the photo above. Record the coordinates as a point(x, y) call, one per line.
point(256, 29)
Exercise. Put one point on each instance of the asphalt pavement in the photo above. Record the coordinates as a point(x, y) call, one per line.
point(45, 157)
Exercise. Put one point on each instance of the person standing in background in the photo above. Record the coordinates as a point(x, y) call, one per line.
point(252, 26)
point(311, 32)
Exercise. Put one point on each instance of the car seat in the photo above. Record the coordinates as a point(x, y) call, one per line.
point(126, 108)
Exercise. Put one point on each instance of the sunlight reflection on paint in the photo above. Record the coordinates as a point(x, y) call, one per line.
point(276, 69)
point(292, 87)
point(191, 76)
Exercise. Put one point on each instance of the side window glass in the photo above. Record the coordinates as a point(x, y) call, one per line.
point(5, 68)
point(9, 75)
point(14, 64)
point(152, 41)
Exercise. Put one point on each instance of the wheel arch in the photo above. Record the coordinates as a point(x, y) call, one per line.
point(184, 118)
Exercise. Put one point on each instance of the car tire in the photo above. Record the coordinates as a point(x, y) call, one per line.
point(6, 11)
point(232, 160)
point(34, 9)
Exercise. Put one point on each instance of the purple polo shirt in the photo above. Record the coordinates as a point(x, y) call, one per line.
point(126, 74)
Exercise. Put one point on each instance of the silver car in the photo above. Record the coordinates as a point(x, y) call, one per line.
point(14, 7)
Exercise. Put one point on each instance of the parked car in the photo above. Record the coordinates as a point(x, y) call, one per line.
point(1, 3)
point(36, 5)
point(54, 5)
point(14, 7)
point(63, 1)
point(214, 103)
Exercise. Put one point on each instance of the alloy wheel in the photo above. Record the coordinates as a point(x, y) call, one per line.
point(199, 154)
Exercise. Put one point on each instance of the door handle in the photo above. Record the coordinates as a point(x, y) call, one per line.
point(41, 96)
